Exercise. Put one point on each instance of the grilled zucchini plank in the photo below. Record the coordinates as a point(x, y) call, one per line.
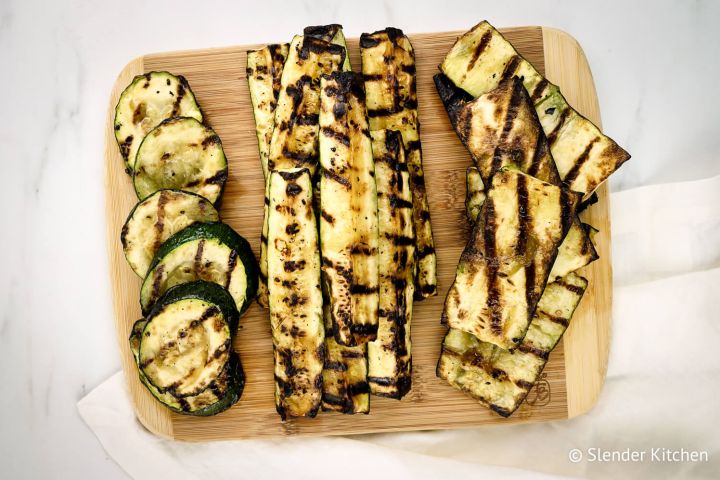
point(388, 66)
point(389, 356)
point(345, 386)
point(505, 265)
point(264, 72)
point(482, 58)
point(213, 252)
point(295, 296)
point(157, 218)
point(499, 378)
point(147, 101)
point(294, 141)
point(181, 153)
point(348, 208)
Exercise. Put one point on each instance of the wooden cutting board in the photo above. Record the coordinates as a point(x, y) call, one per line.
point(572, 380)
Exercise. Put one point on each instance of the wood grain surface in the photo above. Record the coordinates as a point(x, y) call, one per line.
point(572, 380)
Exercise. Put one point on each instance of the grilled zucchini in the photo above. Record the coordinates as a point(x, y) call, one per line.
point(295, 296)
point(505, 265)
point(157, 218)
point(147, 101)
point(332, 33)
point(264, 73)
point(184, 154)
point(499, 378)
point(389, 356)
point(348, 210)
point(388, 66)
point(481, 59)
point(294, 141)
point(184, 350)
point(213, 252)
point(345, 386)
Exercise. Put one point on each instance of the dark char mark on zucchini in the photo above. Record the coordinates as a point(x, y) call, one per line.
point(481, 46)
point(578, 164)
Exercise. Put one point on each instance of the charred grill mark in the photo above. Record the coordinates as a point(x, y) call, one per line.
point(331, 175)
point(358, 388)
point(400, 240)
point(125, 147)
point(324, 32)
point(503, 412)
point(556, 131)
point(516, 98)
point(333, 365)
point(484, 41)
point(525, 348)
point(524, 384)
point(338, 136)
point(327, 217)
point(307, 119)
point(510, 68)
point(412, 145)
point(523, 215)
point(123, 236)
point(397, 202)
point(568, 286)
point(160, 222)
point(368, 40)
point(300, 158)
point(493, 293)
point(332, 399)
point(319, 46)
point(232, 262)
point(290, 176)
point(292, 228)
point(555, 319)
point(422, 253)
point(373, 77)
point(213, 139)
point(198, 266)
point(382, 381)
point(157, 281)
point(578, 164)
point(350, 354)
point(292, 265)
point(538, 90)
point(538, 155)
point(383, 112)
point(181, 89)
point(217, 179)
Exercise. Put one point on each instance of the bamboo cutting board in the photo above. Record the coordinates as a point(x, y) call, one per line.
point(572, 380)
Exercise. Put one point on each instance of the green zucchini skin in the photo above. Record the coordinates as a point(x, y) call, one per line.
point(145, 102)
point(181, 153)
point(217, 232)
point(153, 220)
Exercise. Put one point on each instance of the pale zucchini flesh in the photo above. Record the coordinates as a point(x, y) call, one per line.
point(388, 66)
point(390, 355)
point(295, 295)
point(500, 378)
point(181, 153)
point(475, 193)
point(157, 218)
point(482, 58)
point(147, 101)
point(505, 265)
point(348, 210)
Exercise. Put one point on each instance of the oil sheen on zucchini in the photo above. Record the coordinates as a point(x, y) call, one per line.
point(294, 141)
point(348, 210)
point(213, 252)
point(388, 66)
point(157, 218)
point(389, 356)
point(184, 349)
point(295, 295)
point(505, 265)
point(482, 58)
point(181, 153)
point(147, 101)
point(499, 378)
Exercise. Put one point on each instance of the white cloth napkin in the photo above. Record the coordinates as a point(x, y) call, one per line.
point(662, 386)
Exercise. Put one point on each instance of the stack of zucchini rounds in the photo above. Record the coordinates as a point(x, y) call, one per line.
point(346, 243)
point(198, 274)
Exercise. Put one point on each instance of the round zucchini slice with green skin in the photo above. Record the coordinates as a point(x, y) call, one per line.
point(181, 153)
point(156, 219)
point(222, 393)
point(187, 339)
point(213, 252)
point(147, 101)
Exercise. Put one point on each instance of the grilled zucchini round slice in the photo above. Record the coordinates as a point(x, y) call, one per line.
point(220, 395)
point(156, 219)
point(147, 101)
point(213, 252)
point(184, 154)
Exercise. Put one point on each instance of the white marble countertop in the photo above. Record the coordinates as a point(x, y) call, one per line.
point(654, 65)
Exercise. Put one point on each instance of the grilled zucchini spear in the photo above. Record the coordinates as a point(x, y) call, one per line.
point(348, 208)
point(481, 59)
point(295, 296)
point(264, 71)
point(389, 356)
point(294, 141)
point(499, 378)
point(505, 265)
point(388, 66)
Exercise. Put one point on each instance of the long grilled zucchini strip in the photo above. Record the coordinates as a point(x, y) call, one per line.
point(389, 356)
point(295, 296)
point(345, 386)
point(499, 129)
point(295, 133)
point(505, 265)
point(482, 58)
point(499, 378)
point(348, 203)
point(388, 66)
point(264, 71)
